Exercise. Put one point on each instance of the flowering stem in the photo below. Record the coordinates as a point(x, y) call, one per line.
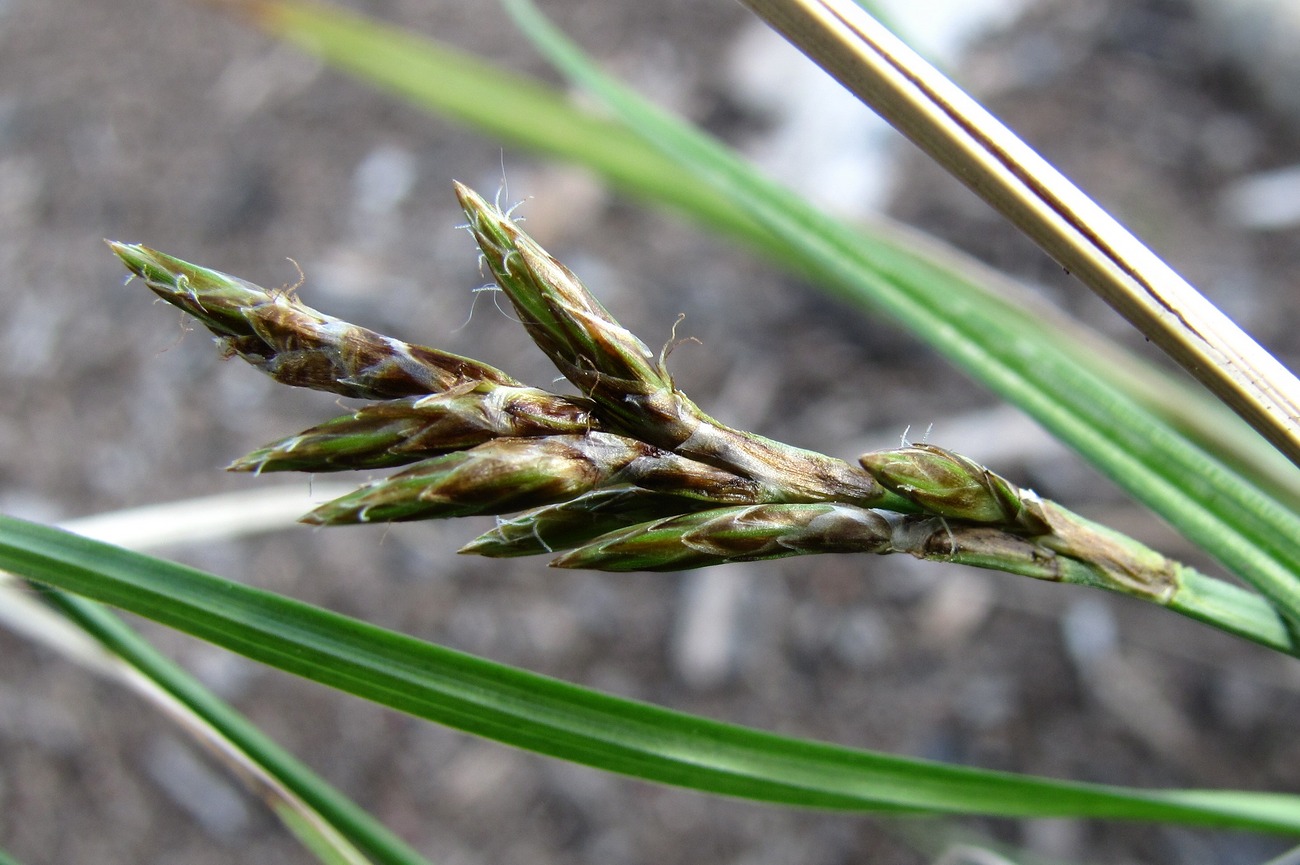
point(632, 475)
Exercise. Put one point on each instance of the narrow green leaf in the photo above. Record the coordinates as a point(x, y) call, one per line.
point(573, 723)
point(504, 104)
point(343, 815)
point(1207, 501)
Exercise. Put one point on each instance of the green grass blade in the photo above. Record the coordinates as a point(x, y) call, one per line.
point(562, 720)
point(503, 104)
point(1207, 501)
point(338, 825)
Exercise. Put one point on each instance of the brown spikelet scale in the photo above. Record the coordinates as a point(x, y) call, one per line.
point(295, 344)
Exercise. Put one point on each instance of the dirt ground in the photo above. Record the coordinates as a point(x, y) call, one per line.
point(172, 124)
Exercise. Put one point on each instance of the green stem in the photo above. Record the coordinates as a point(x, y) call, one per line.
point(1206, 599)
point(1234, 610)
point(1073, 551)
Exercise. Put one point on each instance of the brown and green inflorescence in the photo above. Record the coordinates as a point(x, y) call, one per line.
point(629, 473)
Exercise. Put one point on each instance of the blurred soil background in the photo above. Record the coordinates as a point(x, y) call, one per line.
point(175, 125)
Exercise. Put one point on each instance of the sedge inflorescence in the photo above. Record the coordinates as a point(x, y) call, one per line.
point(626, 474)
